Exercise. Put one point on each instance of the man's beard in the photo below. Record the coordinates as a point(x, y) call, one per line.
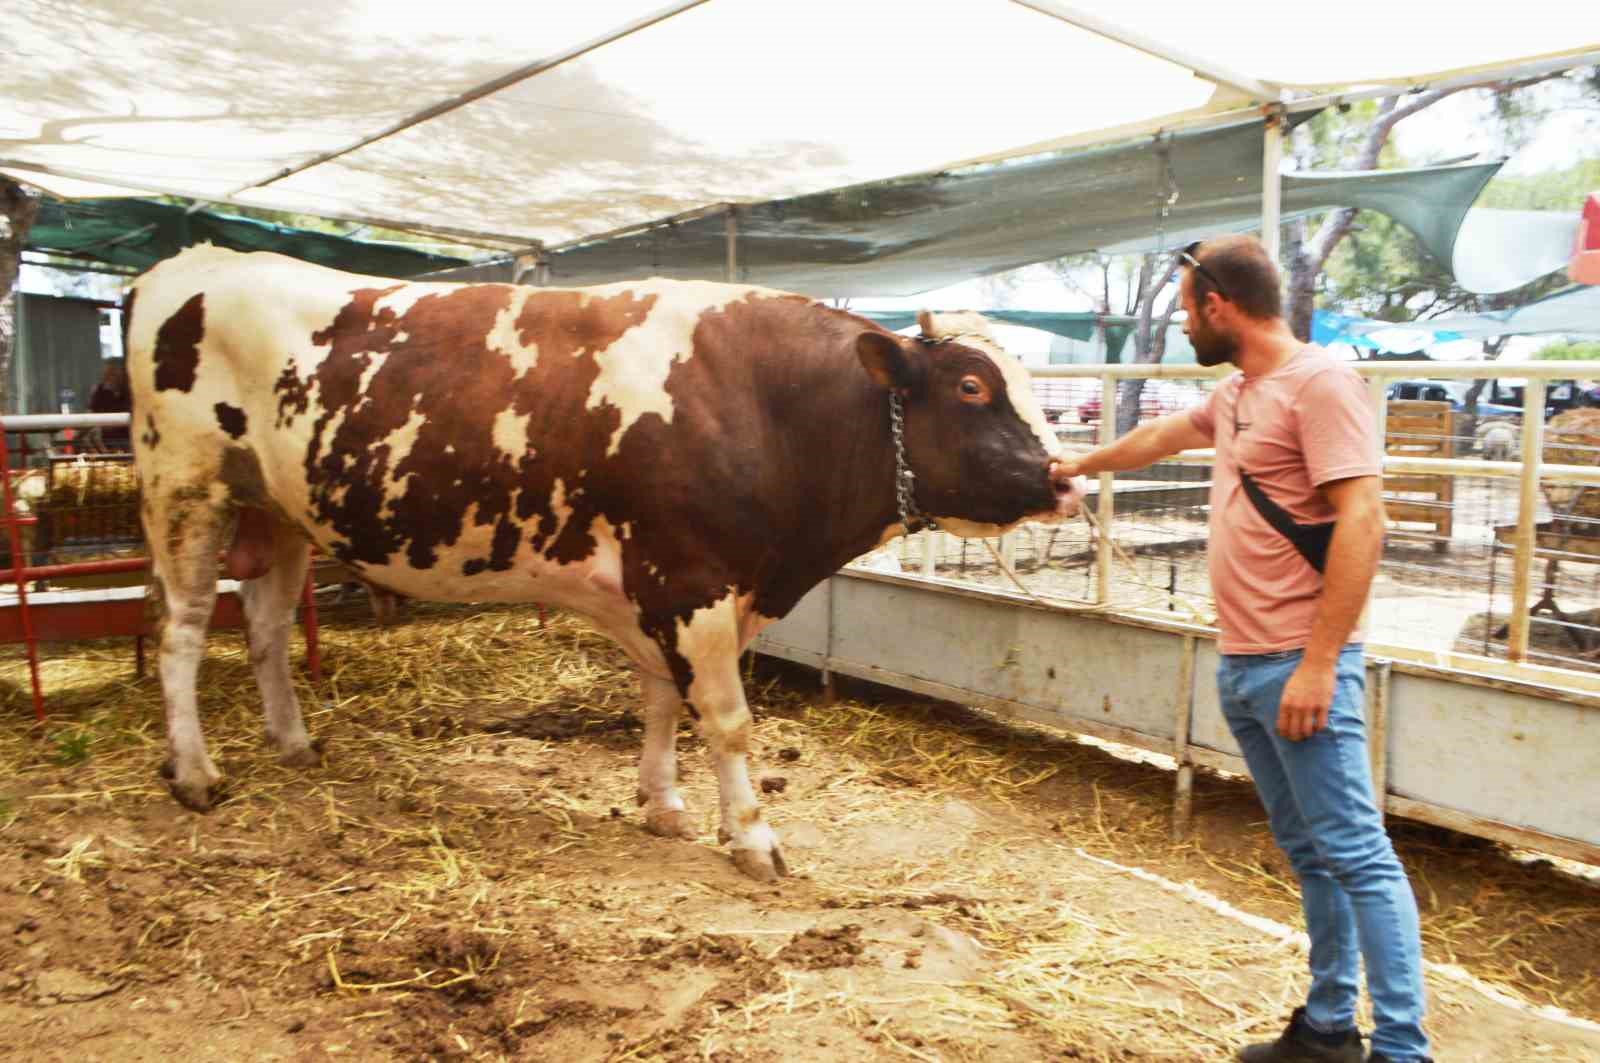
point(1212, 348)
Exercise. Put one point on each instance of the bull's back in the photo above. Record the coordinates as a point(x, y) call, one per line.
point(432, 434)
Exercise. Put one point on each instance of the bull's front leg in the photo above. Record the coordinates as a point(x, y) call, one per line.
point(710, 644)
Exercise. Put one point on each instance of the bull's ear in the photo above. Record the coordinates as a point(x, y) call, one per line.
point(885, 360)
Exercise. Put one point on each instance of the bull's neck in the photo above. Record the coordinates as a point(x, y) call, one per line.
point(855, 498)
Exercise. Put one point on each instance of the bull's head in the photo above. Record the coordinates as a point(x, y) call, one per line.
point(974, 434)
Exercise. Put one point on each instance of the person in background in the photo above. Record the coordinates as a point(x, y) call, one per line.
point(1296, 532)
point(111, 395)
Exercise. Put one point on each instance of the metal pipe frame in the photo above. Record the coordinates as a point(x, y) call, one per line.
point(1527, 510)
point(1255, 89)
point(1436, 370)
point(14, 538)
point(1105, 507)
point(1272, 180)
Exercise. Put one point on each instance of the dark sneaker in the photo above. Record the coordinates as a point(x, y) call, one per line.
point(1379, 1057)
point(1299, 1043)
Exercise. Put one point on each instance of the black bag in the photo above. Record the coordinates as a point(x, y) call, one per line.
point(1311, 540)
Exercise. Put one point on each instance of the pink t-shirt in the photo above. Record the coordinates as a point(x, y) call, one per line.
point(1307, 423)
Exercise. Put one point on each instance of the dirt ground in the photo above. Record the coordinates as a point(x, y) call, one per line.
point(467, 878)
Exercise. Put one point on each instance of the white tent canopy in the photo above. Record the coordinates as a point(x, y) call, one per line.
point(631, 111)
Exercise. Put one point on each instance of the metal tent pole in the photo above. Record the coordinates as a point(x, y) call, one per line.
point(1272, 180)
point(1261, 91)
point(731, 274)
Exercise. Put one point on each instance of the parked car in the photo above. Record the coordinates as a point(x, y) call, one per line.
point(1422, 390)
point(1494, 401)
point(1506, 395)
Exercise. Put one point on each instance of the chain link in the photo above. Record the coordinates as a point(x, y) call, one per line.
point(905, 481)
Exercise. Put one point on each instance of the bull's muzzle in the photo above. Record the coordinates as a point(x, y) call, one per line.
point(1069, 489)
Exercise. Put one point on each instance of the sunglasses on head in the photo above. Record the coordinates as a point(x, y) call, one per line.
point(1187, 255)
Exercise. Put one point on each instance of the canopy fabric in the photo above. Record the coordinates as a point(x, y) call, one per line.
point(1574, 311)
point(725, 101)
point(729, 100)
point(913, 234)
point(139, 233)
point(1498, 250)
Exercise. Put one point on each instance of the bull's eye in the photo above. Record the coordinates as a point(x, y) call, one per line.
point(973, 390)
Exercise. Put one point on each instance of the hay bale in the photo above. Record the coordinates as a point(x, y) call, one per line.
point(91, 500)
point(1573, 438)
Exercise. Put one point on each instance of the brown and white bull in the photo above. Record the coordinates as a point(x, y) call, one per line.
point(679, 461)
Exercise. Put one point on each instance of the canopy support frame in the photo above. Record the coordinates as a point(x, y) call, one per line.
point(1273, 121)
point(1259, 91)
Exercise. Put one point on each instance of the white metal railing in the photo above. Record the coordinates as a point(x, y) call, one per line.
point(1530, 471)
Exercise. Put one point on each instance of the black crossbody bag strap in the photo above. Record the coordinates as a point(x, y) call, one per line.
point(1311, 540)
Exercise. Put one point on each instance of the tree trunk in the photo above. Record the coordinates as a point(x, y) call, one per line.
point(1467, 426)
point(17, 208)
point(1128, 393)
point(1302, 283)
point(1150, 344)
point(1311, 255)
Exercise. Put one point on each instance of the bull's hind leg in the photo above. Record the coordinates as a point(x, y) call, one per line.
point(710, 644)
point(664, 811)
point(184, 533)
point(269, 602)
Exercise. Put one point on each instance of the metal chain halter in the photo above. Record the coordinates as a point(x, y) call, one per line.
point(905, 481)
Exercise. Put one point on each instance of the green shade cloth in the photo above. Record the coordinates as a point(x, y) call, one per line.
point(139, 233)
point(1573, 310)
point(913, 234)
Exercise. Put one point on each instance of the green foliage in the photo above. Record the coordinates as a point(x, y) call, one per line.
point(1333, 137)
point(1381, 271)
point(72, 747)
point(1569, 352)
point(1559, 190)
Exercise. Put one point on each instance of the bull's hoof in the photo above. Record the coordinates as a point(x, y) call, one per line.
point(305, 757)
point(670, 823)
point(761, 864)
point(198, 795)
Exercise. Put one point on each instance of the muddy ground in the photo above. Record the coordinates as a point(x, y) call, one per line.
point(466, 878)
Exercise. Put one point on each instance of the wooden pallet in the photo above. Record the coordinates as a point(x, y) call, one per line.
point(1420, 429)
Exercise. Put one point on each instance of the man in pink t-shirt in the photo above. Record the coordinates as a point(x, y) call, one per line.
point(1296, 533)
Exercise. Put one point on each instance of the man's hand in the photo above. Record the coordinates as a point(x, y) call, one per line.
point(1065, 466)
point(1303, 710)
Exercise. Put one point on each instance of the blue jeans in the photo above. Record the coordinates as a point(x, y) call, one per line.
point(1318, 797)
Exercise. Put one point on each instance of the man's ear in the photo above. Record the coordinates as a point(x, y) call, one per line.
point(886, 360)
